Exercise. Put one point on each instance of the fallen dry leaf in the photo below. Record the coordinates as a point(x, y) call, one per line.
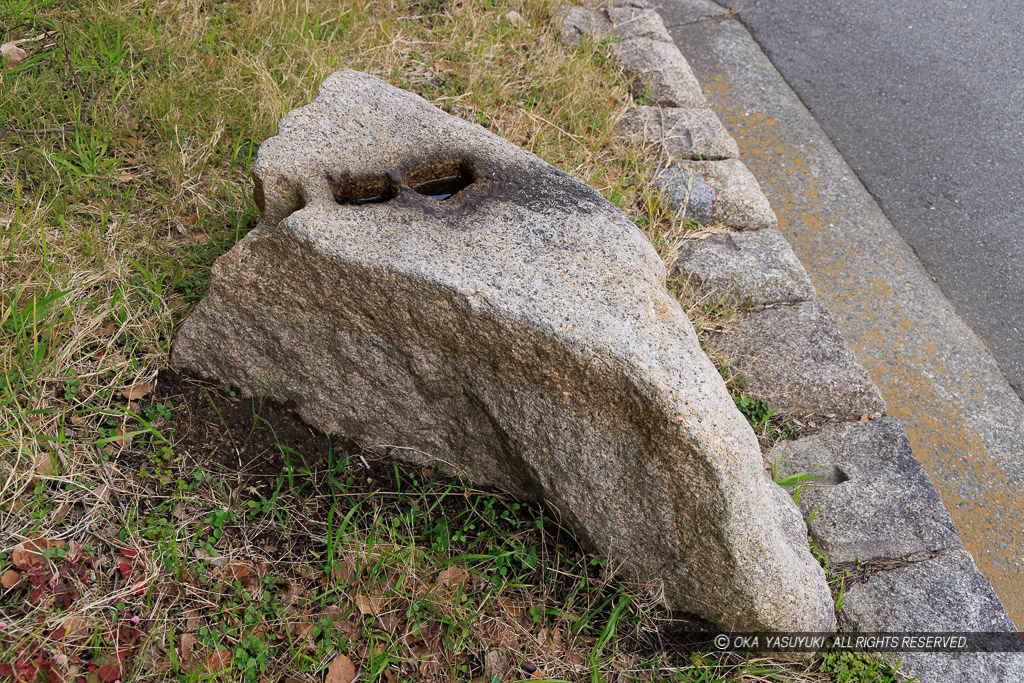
point(29, 553)
point(124, 440)
point(10, 578)
point(77, 627)
point(429, 667)
point(44, 465)
point(218, 661)
point(450, 579)
point(102, 493)
point(341, 670)
point(186, 646)
point(240, 570)
point(193, 620)
point(369, 605)
point(344, 571)
point(511, 608)
point(61, 513)
point(495, 665)
point(138, 391)
point(13, 54)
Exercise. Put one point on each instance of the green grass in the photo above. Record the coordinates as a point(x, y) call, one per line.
point(126, 139)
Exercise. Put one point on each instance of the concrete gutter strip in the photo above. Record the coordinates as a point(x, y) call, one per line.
point(873, 510)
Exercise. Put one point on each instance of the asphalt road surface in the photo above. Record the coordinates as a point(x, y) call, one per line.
point(925, 100)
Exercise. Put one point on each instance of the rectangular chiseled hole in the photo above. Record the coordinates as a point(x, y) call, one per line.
point(356, 191)
point(441, 180)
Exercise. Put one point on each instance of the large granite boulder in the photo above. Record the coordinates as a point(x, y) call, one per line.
point(418, 283)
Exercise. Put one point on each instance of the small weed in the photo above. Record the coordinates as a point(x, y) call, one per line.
point(857, 667)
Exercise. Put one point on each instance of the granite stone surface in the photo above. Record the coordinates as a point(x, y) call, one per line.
point(690, 133)
point(943, 594)
point(736, 197)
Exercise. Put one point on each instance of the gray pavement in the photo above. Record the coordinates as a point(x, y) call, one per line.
point(965, 422)
point(925, 100)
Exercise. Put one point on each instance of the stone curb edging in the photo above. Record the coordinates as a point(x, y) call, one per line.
point(873, 507)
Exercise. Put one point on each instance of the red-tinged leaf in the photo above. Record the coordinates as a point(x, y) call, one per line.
point(109, 671)
point(58, 633)
point(128, 552)
point(125, 569)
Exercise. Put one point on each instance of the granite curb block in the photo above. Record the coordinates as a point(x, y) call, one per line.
point(794, 357)
point(705, 185)
point(872, 499)
point(944, 594)
point(681, 132)
point(743, 268)
point(716, 191)
point(873, 505)
point(643, 47)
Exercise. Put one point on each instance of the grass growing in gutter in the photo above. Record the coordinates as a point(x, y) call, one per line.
point(134, 546)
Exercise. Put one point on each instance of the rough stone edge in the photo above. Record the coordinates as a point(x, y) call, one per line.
point(880, 608)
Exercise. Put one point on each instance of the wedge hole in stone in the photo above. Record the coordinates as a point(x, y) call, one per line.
point(839, 476)
point(441, 180)
point(356, 191)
